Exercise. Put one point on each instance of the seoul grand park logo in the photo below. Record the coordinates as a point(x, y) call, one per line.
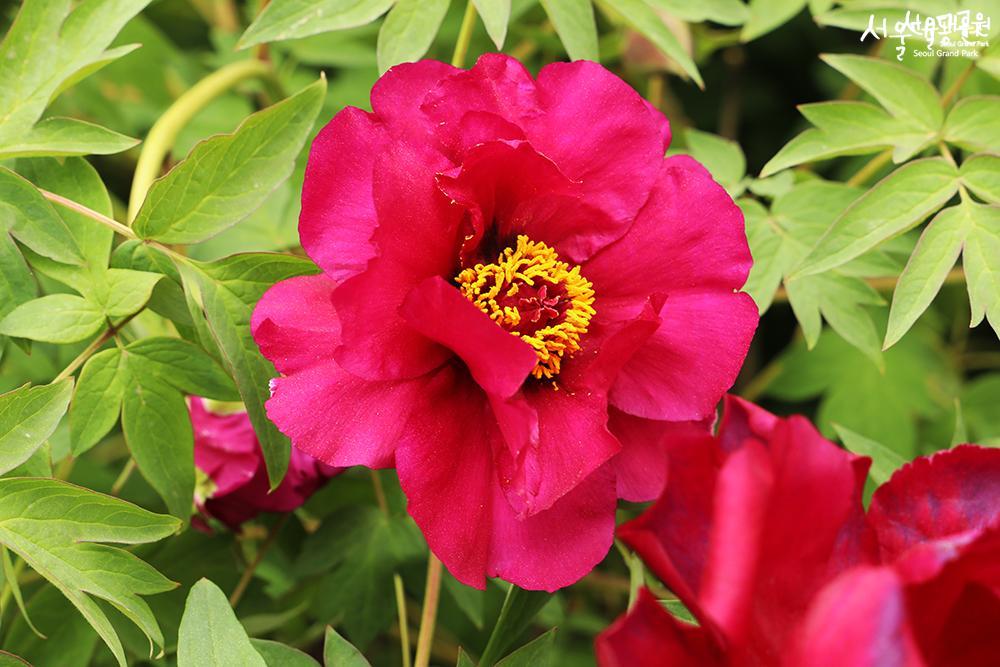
point(963, 34)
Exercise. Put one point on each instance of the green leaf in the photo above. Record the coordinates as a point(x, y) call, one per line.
point(496, 16)
point(463, 659)
point(766, 15)
point(575, 25)
point(11, 660)
point(519, 607)
point(642, 17)
point(158, 432)
point(225, 178)
point(895, 204)
point(97, 399)
point(903, 92)
point(51, 44)
point(972, 124)
point(724, 12)
point(934, 256)
point(340, 652)
point(125, 292)
point(723, 158)
point(34, 221)
point(359, 549)
point(223, 295)
point(981, 260)
point(300, 18)
point(981, 174)
point(536, 653)
point(70, 640)
point(210, 634)
point(279, 655)
point(57, 318)
point(408, 31)
point(28, 416)
point(468, 599)
point(8, 577)
point(67, 136)
point(17, 285)
point(54, 527)
point(849, 128)
point(884, 460)
point(182, 364)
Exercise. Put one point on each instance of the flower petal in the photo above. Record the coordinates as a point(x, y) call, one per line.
point(295, 325)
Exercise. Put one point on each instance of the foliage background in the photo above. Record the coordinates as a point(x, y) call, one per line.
point(819, 349)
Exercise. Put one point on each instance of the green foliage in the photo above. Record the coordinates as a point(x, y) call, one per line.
point(495, 15)
point(57, 527)
point(28, 416)
point(409, 30)
point(339, 651)
point(574, 22)
point(301, 18)
point(210, 634)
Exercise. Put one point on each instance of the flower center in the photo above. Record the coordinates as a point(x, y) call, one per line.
point(535, 296)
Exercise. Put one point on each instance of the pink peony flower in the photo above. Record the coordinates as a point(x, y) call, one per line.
point(236, 490)
point(761, 533)
point(519, 294)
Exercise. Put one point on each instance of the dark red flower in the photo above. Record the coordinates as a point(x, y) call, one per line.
point(761, 533)
point(235, 487)
point(505, 261)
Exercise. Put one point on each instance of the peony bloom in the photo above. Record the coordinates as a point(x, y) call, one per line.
point(234, 486)
point(762, 535)
point(519, 297)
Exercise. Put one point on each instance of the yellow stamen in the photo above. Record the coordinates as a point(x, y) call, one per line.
point(494, 289)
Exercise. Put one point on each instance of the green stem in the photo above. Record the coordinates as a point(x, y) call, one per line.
point(635, 572)
point(464, 35)
point(90, 213)
point(952, 91)
point(123, 477)
point(871, 168)
point(428, 617)
point(164, 132)
point(244, 581)
point(519, 607)
point(397, 581)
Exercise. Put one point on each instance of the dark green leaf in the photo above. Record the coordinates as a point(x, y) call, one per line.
point(181, 364)
point(210, 634)
point(519, 607)
point(28, 416)
point(279, 655)
point(536, 653)
point(34, 221)
point(225, 178)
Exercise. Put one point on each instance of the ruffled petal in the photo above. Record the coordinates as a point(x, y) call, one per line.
point(340, 418)
point(648, 636)
point(946, 494)
point(338, 217)
point(399, 93)
point(295, 325)
point(225, 447)
point(446, 470)
point(859, 620)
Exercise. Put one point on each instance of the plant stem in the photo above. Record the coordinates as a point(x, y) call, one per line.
point(952, 91)
point(635, 572)
point(404, 628)
point(123, 477)
point(464, 35)
point(429, 615)
point(164, 132)
point(244, 581)
point(90, 213)
point(871, 168)
point(519, 607)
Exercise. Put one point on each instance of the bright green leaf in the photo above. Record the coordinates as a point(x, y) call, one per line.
point(766, 15)
point(338, 651)
point(723, 158)
point(28, 416)
point(496, 16)
point(895, 204)
point(289, 19)
point(17, 285)
point(575, 25)
point(97, 399)
point(981, 260)
point(884, 460)
point(57, 318)
point(55, 528)
point(932, 259)
point(408, 31)
point(225, 178)
point(67, 136)
point(125, 291)
point(34, 221)
point(903, 92)
point(646, 21)
point(279, 655)
point(210, 634)
point(974, 124)
point(724, 12)
point(981, 174)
